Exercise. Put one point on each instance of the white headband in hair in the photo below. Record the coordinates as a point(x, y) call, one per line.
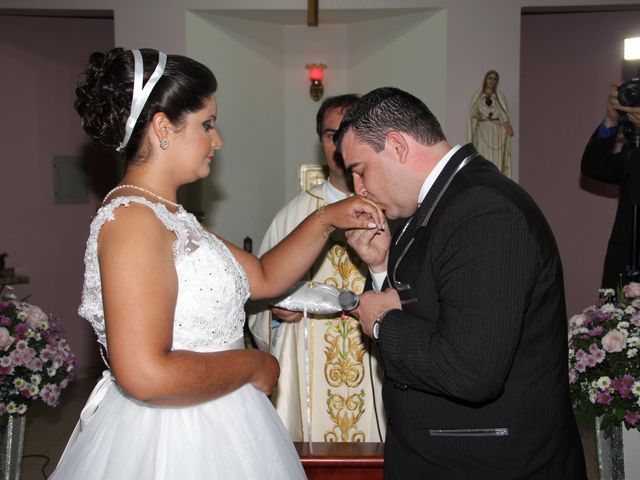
point(140, 94)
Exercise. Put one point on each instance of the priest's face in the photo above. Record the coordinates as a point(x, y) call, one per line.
point(330, 124)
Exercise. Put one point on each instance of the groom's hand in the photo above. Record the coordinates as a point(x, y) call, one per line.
point(373, 305)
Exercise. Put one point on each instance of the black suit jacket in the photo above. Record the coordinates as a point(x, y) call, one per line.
point(476, 361)
point(622, 169)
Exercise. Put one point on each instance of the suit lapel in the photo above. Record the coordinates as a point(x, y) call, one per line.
point(404, 240)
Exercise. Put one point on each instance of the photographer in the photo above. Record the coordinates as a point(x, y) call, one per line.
point(602, 161)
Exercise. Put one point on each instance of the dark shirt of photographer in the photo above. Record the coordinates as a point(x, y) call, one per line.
point(602, 161)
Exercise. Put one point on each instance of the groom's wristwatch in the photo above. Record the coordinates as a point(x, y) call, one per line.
point(375, 330)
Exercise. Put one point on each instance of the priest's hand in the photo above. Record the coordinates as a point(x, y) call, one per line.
point(286, 315)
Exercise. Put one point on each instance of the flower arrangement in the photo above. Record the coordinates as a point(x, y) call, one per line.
point(36, 362)
point(604, 365)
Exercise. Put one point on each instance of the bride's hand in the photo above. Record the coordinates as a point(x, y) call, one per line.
point(266, 372)
point(354, 212)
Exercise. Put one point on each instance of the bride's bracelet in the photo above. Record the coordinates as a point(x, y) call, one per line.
point(326, 228)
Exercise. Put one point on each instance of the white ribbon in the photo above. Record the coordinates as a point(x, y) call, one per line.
point(307, 370)
point(140, 93)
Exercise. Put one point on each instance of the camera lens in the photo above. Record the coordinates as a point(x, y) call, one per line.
point(629, 93)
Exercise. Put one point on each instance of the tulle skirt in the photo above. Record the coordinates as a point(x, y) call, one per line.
point(237, 436)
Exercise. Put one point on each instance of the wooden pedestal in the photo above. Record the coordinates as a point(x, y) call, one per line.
point(342, 461)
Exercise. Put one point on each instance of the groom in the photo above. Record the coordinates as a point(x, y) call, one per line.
point(472, 332)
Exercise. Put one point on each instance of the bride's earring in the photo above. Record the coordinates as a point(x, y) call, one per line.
point(164, 143)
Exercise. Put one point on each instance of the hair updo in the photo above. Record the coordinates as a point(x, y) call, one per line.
point(104, 94)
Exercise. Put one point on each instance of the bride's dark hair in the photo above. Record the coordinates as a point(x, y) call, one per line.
point(103, 94)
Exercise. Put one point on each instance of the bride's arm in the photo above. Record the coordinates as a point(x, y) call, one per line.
point(288, 261)
point(139, 289)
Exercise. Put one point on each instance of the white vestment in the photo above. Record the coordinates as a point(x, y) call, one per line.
point(341, 403)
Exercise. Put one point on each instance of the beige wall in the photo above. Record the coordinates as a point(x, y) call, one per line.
point(437, 49)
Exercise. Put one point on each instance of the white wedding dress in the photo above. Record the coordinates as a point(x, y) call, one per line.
point(237, 436)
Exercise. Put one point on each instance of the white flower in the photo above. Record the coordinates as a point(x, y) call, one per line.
point(603, 383)
point(35, 379)
point(19, 383)
point(5, 339)
point(36, 318)
point(22, 409)
point(577, 320)
point(633, 342)
point(593, 394)
point(623, 324)
point(33, 390)
point(12, 408)
point(632, 352)
point(636, 389)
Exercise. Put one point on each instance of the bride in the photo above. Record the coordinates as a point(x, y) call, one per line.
point(181, 397)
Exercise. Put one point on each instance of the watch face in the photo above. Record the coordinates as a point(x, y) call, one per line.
point(375, 331)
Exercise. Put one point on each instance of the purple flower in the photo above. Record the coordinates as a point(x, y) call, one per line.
point(580, 367)
point(21, 330)
point(632, 418)
point(50, 394)
point(581, 354)
point(623, 385)
point(596, 331)
point(599, 356)
point(628, 380)
point(604, 398)
point(35, 365)
point(591, 361)
point(572, 376)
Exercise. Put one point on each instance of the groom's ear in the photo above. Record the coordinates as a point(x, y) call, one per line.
point(398, 146)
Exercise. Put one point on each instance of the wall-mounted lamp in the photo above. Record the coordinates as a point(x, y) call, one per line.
point(316, 75)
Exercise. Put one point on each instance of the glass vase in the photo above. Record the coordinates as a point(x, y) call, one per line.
point(11, 444)
point(610, 452)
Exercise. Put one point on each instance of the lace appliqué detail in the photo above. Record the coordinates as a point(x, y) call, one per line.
point(212, 287)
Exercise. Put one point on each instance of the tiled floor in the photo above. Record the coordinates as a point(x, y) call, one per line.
point(48, 429)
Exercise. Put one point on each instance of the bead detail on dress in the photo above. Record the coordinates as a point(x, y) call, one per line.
point(141, 189)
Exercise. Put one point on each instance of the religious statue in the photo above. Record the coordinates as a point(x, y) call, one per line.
point(490, 129)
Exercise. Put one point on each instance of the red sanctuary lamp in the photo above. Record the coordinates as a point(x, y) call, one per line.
point(316, 75)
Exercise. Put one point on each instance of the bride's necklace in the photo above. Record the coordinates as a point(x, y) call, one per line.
point(148, 192)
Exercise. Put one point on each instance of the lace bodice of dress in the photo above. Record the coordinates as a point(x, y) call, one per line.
point(212, 286)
